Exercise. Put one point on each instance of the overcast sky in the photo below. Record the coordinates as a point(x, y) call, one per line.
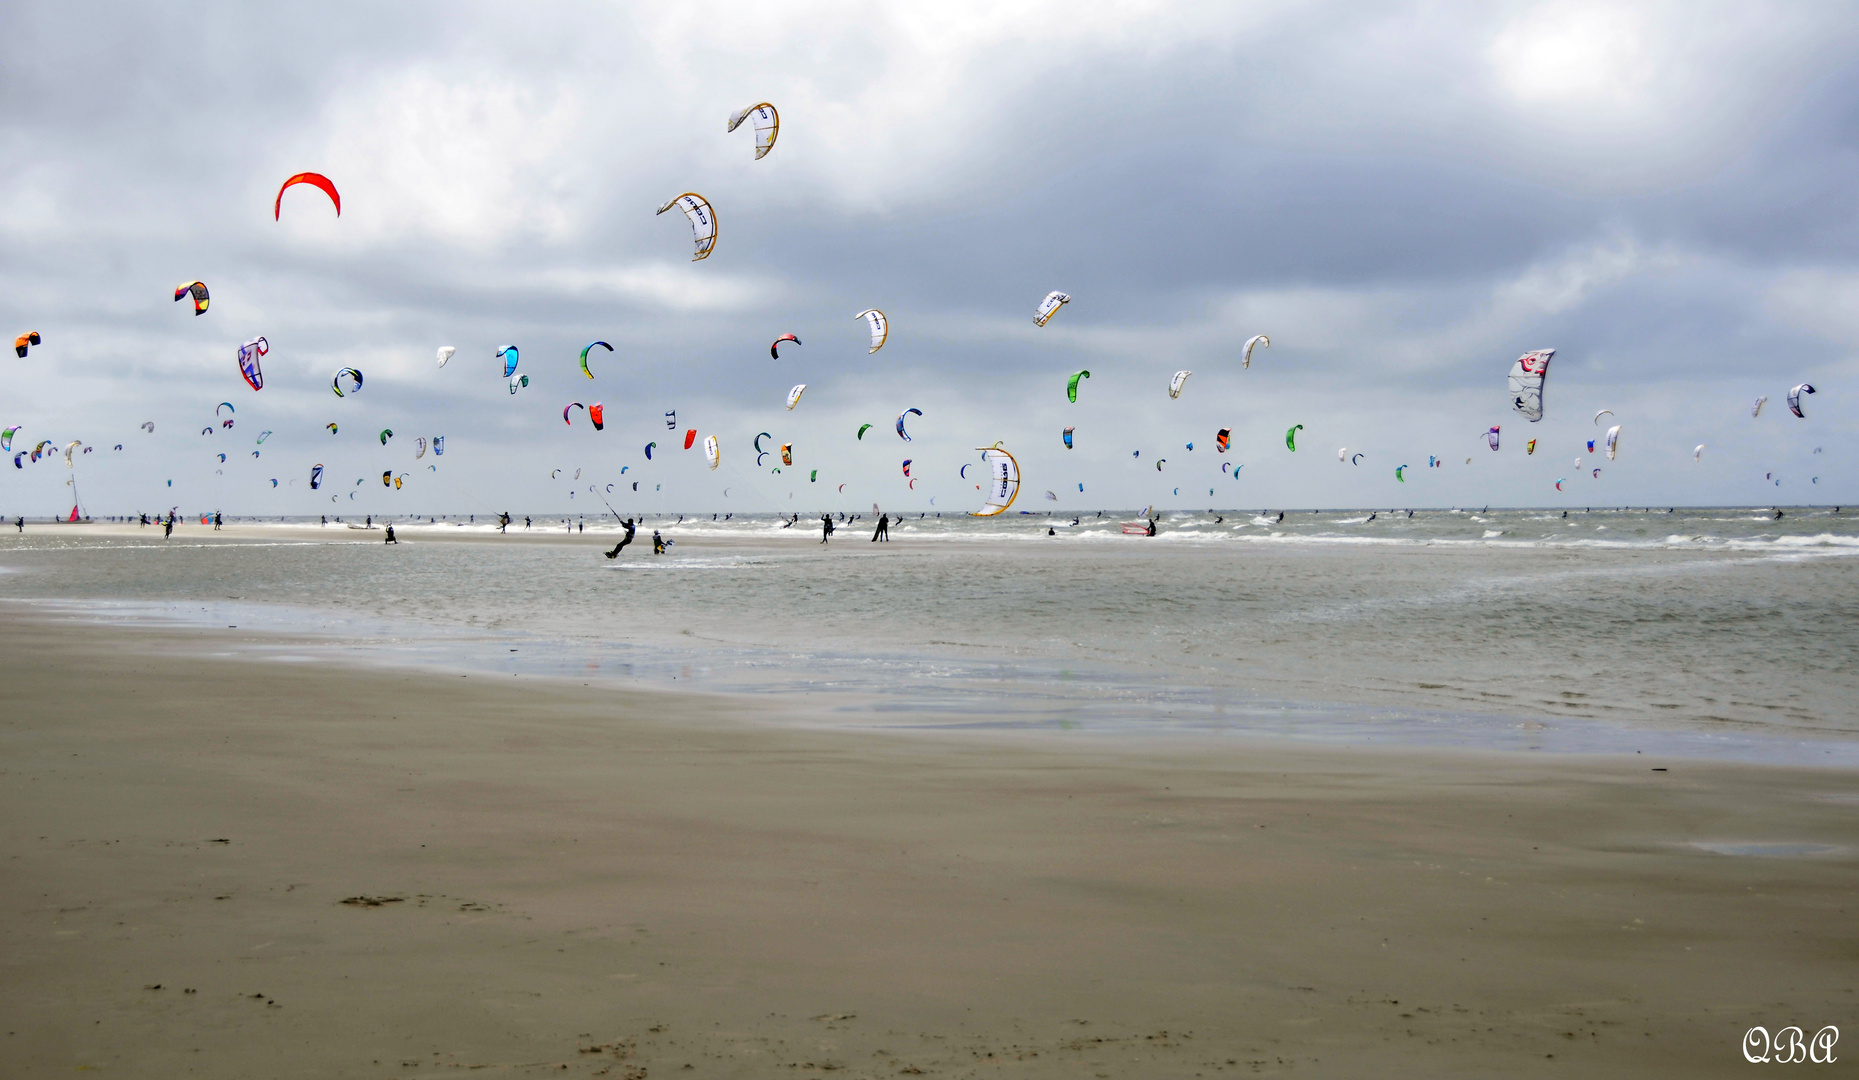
point(1405, 198)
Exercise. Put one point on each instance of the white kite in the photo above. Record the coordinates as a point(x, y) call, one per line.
point(767, 126)
point(703, 221)
point(445, 353)
point(1526, 383)
point(1049, 307)
point(712, 452)
point(880, 329)
point(1174, 384)
point(1245, 358)
point(793, 396)
point(1004, 484)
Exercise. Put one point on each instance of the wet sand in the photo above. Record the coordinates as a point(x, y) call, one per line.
point(221, 866)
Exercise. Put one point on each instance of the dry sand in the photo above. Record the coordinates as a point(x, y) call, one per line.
point(220, 866)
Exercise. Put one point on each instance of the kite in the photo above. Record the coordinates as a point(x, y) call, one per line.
point(1756, 409)
point(438, 445)
point(336, 383)
point(1399, 470)
point(863, 428)
point(196, 289)
point(1245, 357)
point(712, 452)
point(30, 337)
point(445, 353)
point(1051, 496)
point(248, 362)
point(671, 420)
point(880, 329)
point(569, 406)
point(1223, 439)
point(1291, 437)
point(1491, 438)
point(1527, 376)
point(387, 478)
point(386, 434)
point(331, 427)
point(1049, 307)
point(1560, 482)
point(773, 353)
point(1794, 399)
point(1005, 485)
point(1175, 383)
point(316, 180)
point(224, 405)
point(1071, 386)
point(263, 435)
point(1357, 460)
point(793, 396)
point(703, 221)
point(1342, 453)
point(907, 466)
point(1068, 438)
point(316, 477)
point(1598, 415)
point(584, 349)
point(1529, 447)
point(787, 453)
point(6, 436)
point(419, 447)
point(767, 126)
point(689, 438)
point(757, 441)
point(517, 382)
point(962, 472)
point(1159, 462)
point(1698, 453)
point(70, 446)
point(1613, 441)
point(509, 355)
point(648, 450)
point(901, 433)
point(597, 414)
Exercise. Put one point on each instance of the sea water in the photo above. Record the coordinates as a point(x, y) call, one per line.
point(1726, 632)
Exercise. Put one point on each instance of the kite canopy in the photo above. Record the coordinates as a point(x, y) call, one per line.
point(438, 444)
point(901, 433)
point(714, 453)
point(386, 434)
point(509, 355)
point(517, 382)
point(702, 218)
point(1049, 307)
point(648, 450)
point(1005, 481)
point(1071, 385)
point(1526, 383)
point(248, 362)
point(689, 438)
point(1175, 384)
point(445, 353)
point(31, 337)
point(198, 290)
point(1529, 447)
point(584, 350)
point(1291, 437)
point(1245, 357)
point(336, 383)
point(597, 414)
point(1613, 441)
point(1756, 408)
point(316, 477)
point(1223, 439)
point(6, 436)
point(793, 396)
point(767, 126)
point(316, 180)
point(787, 453)
point(571, 405)
point(1598, 415)
point(1067, 437)
point(419, 447)
point(1698, 453)
point(1491, 437)
point(1794, 399)
point(774, 347)
point(880, 329)
point(862, 429)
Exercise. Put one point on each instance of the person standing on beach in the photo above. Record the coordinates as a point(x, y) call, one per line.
point(216, 521)
point(826, 527)
point(624, 540)
point(883, 531)
point(390, 534)
point(167, 528)
point(503, 521)
point(658, 543)
point(21, 522)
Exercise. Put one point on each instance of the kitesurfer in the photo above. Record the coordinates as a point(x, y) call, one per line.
point(1151, 531)
point(624, 540)
point(503, 521)
point(20, 522)
point(216, 521)
point(883, 531)
point(391, 539)
point(167, 528)
point(658, 543)
point(826, 527)
point(525, 521)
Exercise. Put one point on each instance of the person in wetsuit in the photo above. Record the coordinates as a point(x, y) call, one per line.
point(624, 540)
point(883, 532)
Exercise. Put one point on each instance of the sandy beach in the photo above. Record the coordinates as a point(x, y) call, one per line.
point(226, 867)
